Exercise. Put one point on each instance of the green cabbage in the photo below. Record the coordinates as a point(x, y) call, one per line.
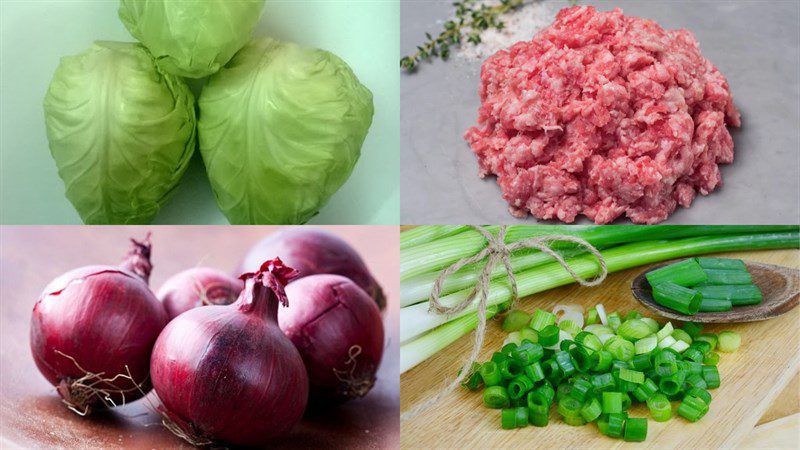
point(281, 128)
point(191, 38)
point(121, 132)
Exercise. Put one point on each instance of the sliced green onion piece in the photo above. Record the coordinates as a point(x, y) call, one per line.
point(538, 419)
point(603, 363)
point(490, 373)
point(591, 410)
point(498, 357)
point(620, 348)
point(519, 387)
point(548, 335)
point(546, 392)
point(683, 273)
point(632, 376)
point(510, 346)
point(748, 294)
point(702, 394)
point(642, 362)
point(616, 422)
point(599, 330)
point(612, 402)
point(496, 397)
point(510, 369)
point(633, 315)
point(660, 407)
point(527, 353)
point(665, 331)
point(588, 341)
point(672, 384)
point(473, 381)
point(563, 391)
point(551, 371)
point(692, 408)
point(651, 323)
point(575, 421)
point(692, 328)
point(569, 407)
point(514, 418)
point(570, 327)
point(516, 320)
point(666, 363)
point(633, 329)
point(726, 277)
point(678, 298)
point(694, 354)
point(711, 377)
point(581, 359)
point(729, 341)
point(645, 390)
point(711, 358)
point(695, 380)
point(703, 346)
point(542, 319)
point(721, 263)
point(635, 429)
point(679, 346)
point(564, 363)
point(681, 335)
point(626, 401)
point(592, 317)
point(534, 372)
point(707, 337)
point(646, 344)
point(581, 390)
point(603, 382)
point(666, 342)
point(715, 305)
point(529, 334)
point(691, 367)
point(614, 320)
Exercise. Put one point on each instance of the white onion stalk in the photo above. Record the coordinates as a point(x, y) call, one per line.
point(601, 313)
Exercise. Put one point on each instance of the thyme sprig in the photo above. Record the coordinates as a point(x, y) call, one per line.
point(471, 19)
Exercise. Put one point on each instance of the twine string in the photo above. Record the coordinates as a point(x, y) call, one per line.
point(496, 250)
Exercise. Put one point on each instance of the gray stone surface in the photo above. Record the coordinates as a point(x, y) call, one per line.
point(756, 44)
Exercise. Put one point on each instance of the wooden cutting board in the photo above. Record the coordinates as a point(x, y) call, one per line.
point(752, 379)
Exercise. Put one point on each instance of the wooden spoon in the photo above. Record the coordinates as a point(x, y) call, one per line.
point(780, 288)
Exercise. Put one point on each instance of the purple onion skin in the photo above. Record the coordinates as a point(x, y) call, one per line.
point(227, 374)
point(313, 252)
point(329, 317)
point(199, 286)
point(104, 317)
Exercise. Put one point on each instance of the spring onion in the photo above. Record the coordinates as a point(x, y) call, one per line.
point(529, 334)
point(516, 320)
point(614, 321)
point(694, 354)
point(570, 327)
point(645, 390)
point(527, 353)
point(665, 331)
point(612, 402)
point(592, 317)
point(626, 401)
point(510, 369)
point(711, 377)
point(681, 335)
point(548, 335)
point(569, 406)
point(729, 341)
point(665, 363)
point(541, 319)
point(679, 346)
point(604, 360)
point(645, 345)
point(632, 376)
point(602, 382)
point(591, 410)
point(679, 298)
point(695, 380)
point(620, 348)
point(666, 342)
point(473, 381)
point(519, 387)
point(748, 294)
point(660, 407)
point(490, 373)
point(693, 329)
point(683, 273)
point(710, 338)
point(496, 397)
point(672, 384)
point(692, 408)
point(726, 277)
point(635, 429)
point(711, 358)
point(616, 422)
point(721, 263)
point(651, 324)
point(702, 394)
point(514, 418)
point(633, 329)
point(642, 362)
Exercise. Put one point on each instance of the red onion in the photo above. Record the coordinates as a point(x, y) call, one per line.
point(313, 252)
point(195, 287)
point(227, 374)
point(93, 329)
point(338, 330)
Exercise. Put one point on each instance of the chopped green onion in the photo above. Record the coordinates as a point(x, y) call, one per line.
point(570, 327)
point(509, 347)
point(592, 317)
point(729, 341)
point(693, 354)
point(702, 394)
point(691, 367)
point(633, 329)
point(563, 391)
point(569, 406)
point(695, 380)
point(541, 319)
point(665, 331)
point(496, 397)
point(548, 336)
point(529, 334)
point(665, 363)
point(660, 407)
point(681, 335)
point(632, 376)
point(679, 346)
point(591, 410)
point(715, 305)
point(646, 344)
point(642, 362)
point(748, 294)
point(711, 376)
point(473, 381)
point(534, 372)
point(599, 330)
point(551, 370)
point(581, 359)
point(538, 419)
point(721, 263)
point(519, 386)
point(711, 358)
point(626, 401)
point(564, 363)
point(604, 359)
point(546, 392)
point(726, 277)
point(490, 373)
point(684, 273)
point(672, 384)
point(527, 353)
point(614, 320)
point(588, 341)
point(581, 390)
point(620, 348)
point(612, 402)
point(616, 422)
point(514, 418)
point(693, 328)
point(666, 342)
point(678, 298)
point(708, 337)
point(635, 429)
point(645, 390)
point(516, 320)
point(575, 421)
point(651, 323)
point(692, 408)
point(633, 315)
point(603, 382)
point(510, 369)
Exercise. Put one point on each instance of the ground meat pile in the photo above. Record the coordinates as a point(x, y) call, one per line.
point(603, 115)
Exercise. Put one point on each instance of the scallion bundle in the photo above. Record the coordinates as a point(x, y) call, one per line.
point(596, 374)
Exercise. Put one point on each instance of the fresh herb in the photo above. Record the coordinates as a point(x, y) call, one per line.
point(472, 17)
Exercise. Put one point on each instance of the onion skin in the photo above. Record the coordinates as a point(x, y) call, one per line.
point(311, 252)
point(99, 320)
point(338, 330)
point(226, 373)
point(199, 286)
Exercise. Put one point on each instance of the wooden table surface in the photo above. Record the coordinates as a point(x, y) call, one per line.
point(31, 414)
point(757, 406)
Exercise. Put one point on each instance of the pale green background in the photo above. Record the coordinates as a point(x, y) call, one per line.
point(35, 34)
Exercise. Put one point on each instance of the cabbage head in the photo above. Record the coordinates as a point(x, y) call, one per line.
point(191, 38)
point(121, 132)
point(281, 128)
